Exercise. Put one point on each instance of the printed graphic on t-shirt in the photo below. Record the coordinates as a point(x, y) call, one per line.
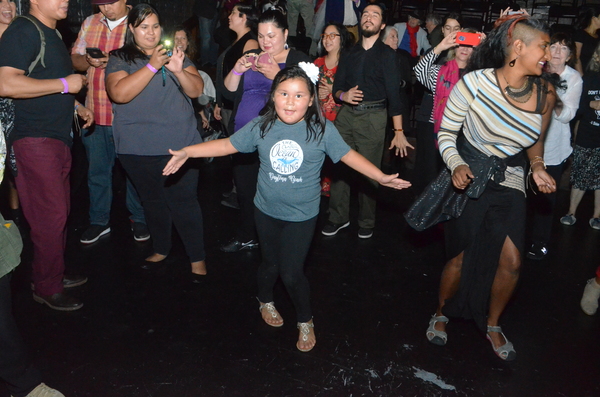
point(286, 157)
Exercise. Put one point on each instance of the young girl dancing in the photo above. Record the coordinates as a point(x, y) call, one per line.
point(292, 138)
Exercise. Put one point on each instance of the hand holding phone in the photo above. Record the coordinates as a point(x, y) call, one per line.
point(94, 52)
point(470, 39)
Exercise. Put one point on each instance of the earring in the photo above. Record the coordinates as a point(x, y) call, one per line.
point(512, 63)
point(286, 46)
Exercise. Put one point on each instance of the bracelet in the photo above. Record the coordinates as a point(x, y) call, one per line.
point(152, 68)
point(341, 95)
point(76, 106)
point(398, 129)
point(538, 161)
point(65, 86)
point(236, 73)
point(536, 158)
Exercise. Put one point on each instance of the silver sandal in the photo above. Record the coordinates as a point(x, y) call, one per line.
point(304, 330)
point(433, 335)
point(507, 351)
point(270, 306)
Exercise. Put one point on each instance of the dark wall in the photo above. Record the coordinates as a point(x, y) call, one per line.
point(172, 12)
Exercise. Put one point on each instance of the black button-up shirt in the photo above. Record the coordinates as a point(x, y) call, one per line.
point(376, 71)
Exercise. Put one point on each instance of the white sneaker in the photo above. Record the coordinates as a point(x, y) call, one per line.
point(44, 391)
point(589, 300)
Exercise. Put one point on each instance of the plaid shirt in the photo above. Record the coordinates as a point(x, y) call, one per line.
point(95, 33)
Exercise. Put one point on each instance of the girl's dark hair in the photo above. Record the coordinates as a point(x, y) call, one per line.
point(275, 17)
point(346, 38)
point(251, 14)
point(315, 121)
point(567, 40)
point(130, 51)
point(453, 15)
point(586, 14)
point(192, 50)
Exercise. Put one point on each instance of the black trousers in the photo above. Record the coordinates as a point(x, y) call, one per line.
point(168, 200)
point(245, 176)
point(284, 246)
point(543, 207)
point(15, 368)
point(429, 161)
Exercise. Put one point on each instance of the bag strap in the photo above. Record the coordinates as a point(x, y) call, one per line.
point(41, 55)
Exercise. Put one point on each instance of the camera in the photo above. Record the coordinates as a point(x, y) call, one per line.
point(168, 45)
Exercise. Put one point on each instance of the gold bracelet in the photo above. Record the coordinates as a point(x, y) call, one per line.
point(398, 129)
point(538, 161)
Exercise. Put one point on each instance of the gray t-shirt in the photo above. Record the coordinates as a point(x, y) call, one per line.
point(158, 119)
point(290, 167)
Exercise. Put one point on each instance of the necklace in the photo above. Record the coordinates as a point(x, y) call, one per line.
point(520, 95)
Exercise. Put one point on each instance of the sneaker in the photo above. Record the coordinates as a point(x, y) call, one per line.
point(93, 233)
point(595, 223)
point(44, 391)
point(568, 220)
point(589, 300)
point(364, 232)
point(235, 245)
point(231, 201)
point(331, 229)
point(140, 231)
point(537, 251)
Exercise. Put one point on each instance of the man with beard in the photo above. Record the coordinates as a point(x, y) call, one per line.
point(367, 82)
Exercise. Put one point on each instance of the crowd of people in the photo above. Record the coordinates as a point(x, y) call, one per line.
point(494, 114)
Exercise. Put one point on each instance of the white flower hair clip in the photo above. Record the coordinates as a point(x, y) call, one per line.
point(311, 70)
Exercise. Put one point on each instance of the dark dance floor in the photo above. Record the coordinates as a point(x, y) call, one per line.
point(155, 334)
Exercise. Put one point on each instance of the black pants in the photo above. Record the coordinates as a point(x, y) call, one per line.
point(543, 207)
point(168, 200)
point(429, 161)
point(15, 368)
point(245, 176)
point(284, 246)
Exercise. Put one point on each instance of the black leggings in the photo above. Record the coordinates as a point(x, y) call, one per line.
point(168, 200)
point(284, 246)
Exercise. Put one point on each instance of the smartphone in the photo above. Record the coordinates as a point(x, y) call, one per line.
point(514, 12)
point(251, 59)
point(94, 52)
point(464, 38)
point(168, 45)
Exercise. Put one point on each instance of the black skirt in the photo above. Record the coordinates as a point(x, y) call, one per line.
point(480, 232)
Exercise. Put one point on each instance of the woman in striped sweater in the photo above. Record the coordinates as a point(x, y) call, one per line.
point(502, 108)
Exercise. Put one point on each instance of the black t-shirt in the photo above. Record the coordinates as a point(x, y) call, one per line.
point(588, 45)
point(49, 116)
point(588, 134)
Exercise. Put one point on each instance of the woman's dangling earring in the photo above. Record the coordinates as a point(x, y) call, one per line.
point(512, 63)
point(286, 46)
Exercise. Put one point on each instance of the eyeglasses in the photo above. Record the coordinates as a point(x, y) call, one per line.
point(330, 36)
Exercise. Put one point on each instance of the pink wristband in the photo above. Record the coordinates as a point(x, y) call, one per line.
point(341, 95)
point(152, 68)
point(236, 73)
point(65, 86)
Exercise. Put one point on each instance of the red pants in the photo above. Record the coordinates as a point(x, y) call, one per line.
point(43, 167)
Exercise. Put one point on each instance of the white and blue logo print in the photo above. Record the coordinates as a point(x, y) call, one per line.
point(286, 157)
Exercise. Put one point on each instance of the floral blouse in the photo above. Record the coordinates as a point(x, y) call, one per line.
point(328, 105)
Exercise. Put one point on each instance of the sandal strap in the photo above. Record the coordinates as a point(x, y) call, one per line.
point(441, 319)
point(305, 329)
point(494, 328)
point(270, 306)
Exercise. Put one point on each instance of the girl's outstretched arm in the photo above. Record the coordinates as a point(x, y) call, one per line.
point(216, 148)
point(357, 161)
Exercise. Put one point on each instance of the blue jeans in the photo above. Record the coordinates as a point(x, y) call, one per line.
point(208, 47)
point(100, 149)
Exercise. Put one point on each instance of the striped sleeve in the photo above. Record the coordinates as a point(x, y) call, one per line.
point(427, 72)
